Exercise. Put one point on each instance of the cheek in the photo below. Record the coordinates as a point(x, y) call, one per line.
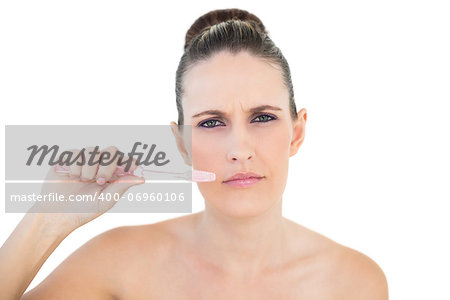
point(274, 153)
point(275, 142)
point(273, 145)
point(204, 152)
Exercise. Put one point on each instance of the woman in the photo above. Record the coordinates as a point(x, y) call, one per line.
point(234, 88)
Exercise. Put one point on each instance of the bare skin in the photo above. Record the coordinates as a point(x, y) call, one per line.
point(239, 247)
point(161, 261)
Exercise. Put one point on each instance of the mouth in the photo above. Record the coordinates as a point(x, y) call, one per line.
point(243, 180)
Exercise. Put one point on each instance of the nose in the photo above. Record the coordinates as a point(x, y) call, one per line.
point(241, 148)
point(233, 156)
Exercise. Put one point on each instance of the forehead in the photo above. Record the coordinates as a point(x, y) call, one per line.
point(226, 77)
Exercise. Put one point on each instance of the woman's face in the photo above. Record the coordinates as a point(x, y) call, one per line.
point(236, 138)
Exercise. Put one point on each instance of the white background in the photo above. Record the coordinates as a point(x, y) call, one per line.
point(374, 170)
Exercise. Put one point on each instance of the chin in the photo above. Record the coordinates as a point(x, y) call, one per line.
point(238, 202)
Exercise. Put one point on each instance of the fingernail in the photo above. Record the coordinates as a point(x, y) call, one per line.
point(119, 173)
point(59, 168)
point(101, 180)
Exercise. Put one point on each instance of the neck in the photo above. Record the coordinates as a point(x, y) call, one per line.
point(242, 245)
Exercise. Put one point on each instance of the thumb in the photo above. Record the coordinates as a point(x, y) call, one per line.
point(122, 184)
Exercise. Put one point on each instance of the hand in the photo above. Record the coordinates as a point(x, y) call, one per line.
point(96, 182)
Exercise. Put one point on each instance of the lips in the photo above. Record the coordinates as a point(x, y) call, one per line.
point(242, 176)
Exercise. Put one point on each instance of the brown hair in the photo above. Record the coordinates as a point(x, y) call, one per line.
point(233, 30)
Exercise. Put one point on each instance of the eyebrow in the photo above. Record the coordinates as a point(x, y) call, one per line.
point(221, 113)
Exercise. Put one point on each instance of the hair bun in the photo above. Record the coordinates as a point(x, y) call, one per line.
point(222, 15)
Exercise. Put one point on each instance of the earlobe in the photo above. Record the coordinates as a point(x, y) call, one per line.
point(180, 143)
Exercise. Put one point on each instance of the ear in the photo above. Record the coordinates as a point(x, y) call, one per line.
point(180, 143)
point(299, 132)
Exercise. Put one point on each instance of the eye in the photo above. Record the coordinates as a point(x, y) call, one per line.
point(265, 118)
point(211, 122)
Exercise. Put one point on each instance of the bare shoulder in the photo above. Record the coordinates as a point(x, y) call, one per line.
point(99, 268)
point(342, 272)
point(357, 275)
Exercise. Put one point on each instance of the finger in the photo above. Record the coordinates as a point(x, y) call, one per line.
point(89, 172)
point(125, 164)
point(120, 170)
point(133, 165)
point(108, 164)
point(65, 167)
point(61, 170)
point(75, 168)
point(121, 185)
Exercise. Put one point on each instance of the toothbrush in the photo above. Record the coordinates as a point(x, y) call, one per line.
point(194, 175)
